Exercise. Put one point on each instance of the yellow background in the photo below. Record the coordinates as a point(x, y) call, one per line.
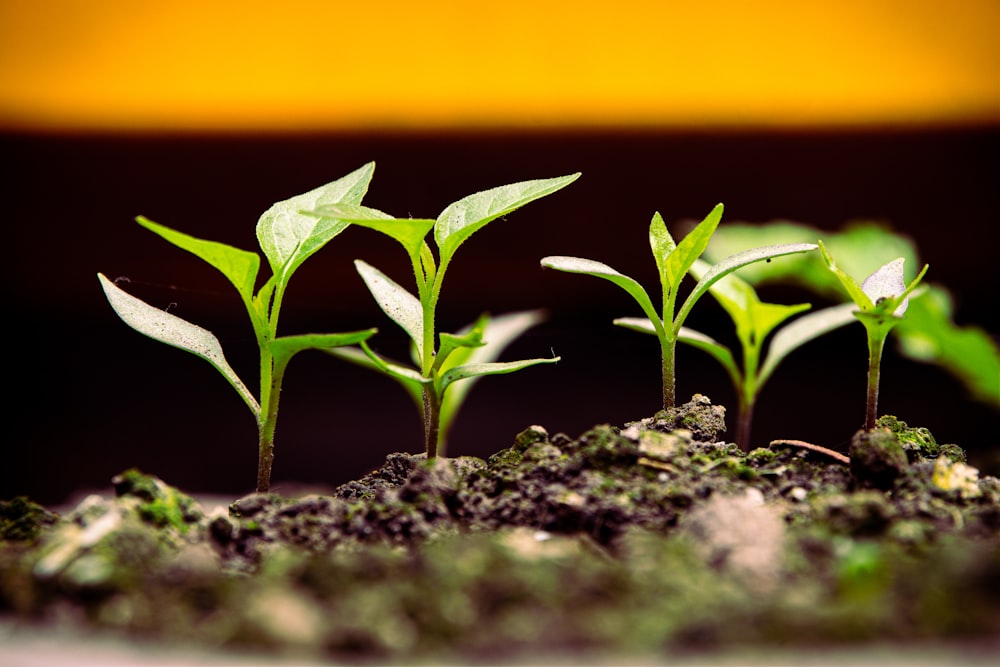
point(441, 63)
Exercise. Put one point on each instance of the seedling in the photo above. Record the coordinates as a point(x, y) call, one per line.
point(882, 299)
point(441, 360)
point(287, 238)
point(673, 260)
point(754, 320)
point(496, 334)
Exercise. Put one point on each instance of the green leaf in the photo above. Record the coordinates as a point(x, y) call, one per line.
point(172, 330)
point(662, 244)
point(238, 266)
point(591, 268)
point(690, 248)
point(464, 217)
point(496, 368)
point(409, 232)
point(497, 334)
point(402, 307)
point(858, 295)
point(801, 331)
point(732, 263)
point(466, 340)
point(284, 347)
point(288, 237)
point(753, 318)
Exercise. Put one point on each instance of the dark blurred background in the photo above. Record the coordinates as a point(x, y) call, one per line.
point(201, 115)
point(90, 397)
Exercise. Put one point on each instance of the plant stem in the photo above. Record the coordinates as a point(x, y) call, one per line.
point(432, 420)
point(271, 376)
point(667, 353)
point(743, 422)
point(875, 344)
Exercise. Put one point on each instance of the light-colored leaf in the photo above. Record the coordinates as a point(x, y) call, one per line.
point(598, 270)
point(887, 282)
point(172, 330)
point(464, 217)
point(395, 301)
point(661, 243)
point(494, 368)
point(409, 232)
point(240, 267)
point(288, 237)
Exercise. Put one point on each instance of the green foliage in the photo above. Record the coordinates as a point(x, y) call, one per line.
point(927, 334)
point(754, 321)
point(439, 361)
point(881, 300)
point(287, 238)
point(673, 261)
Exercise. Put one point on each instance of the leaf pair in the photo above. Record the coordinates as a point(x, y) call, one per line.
point(441, 360)
point(287, 238)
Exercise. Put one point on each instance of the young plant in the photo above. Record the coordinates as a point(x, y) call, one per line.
point(440, 360)
point(495, 334)
point(882, 299)
point(673, 260)
point(287, 238)
point(754, 320)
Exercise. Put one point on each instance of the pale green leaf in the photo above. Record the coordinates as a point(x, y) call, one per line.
point(238, 266)
point(395, 301)
point(464, 217)
point(288, 237)
point(495, 368)
point(409, 232)
point(661, 243)
point(598, 270)
point(172, 330)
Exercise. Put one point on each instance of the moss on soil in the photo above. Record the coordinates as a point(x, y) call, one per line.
point(639, 539)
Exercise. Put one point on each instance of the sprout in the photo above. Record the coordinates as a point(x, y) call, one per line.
point(882, 299)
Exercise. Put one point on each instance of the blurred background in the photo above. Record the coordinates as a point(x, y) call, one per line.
point(200, 115)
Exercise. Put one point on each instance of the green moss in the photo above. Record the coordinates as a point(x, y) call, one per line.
point(22, 520)
point(917, 441)
point(160, 505)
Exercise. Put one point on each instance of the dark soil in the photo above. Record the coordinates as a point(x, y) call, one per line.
point(649, 539)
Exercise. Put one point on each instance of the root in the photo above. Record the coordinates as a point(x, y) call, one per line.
point(813, 448)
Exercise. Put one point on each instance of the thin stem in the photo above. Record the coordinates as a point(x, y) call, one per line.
point(271, 378)
point(668, 350)
point(432, 420)
point(743, 424)
point(875, 344)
